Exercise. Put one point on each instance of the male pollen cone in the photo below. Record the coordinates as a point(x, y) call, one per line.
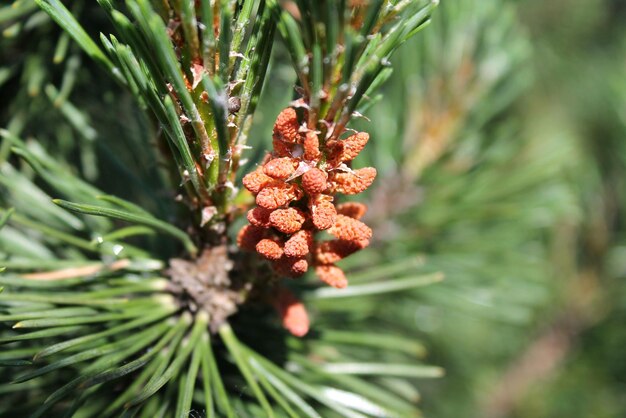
point(329, 252)
point(311, 146)
point(300, 244)
point(273, 197)
point(280, 168)
point(343, 151)
point(332, 275)
point(286, 127)
point(256, 181)
point(350, 229)
point(323, 214)
point(292, 312)
point(296, 189)
point(291, 267)
point(353, 145)
point(314, 181)
point(354, 182)
point(287, 220)
point(249, 236)
point(270, 248)
point(354, 210)
point(259, 216)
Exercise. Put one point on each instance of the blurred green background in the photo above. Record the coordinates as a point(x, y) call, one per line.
point(499, 140)
point(521, 204)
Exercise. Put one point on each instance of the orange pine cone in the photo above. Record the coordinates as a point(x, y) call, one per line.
point(323, 214)
point(273, 197)
point(270, 248)
point(280, 168)
point(288, 220)
point(328, 252)
point(256, 181)
point(353, 145)
point(291, 267)
point(354, 210)
point(314, 181)
point(259, 217)
point(249, 236)
point(354, 182)
point(332, 275)
point(311, 146)
point(350, 229)
point(286, 126)
point(282, 148)
point(300, 244)
point(292, 312)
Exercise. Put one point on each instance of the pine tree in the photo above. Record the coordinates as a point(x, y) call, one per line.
point(138, 302)
point(311, 208)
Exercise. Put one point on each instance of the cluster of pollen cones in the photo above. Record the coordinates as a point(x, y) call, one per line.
point(295, 191)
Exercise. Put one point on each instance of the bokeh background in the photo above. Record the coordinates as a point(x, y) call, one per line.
point(500, 143)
